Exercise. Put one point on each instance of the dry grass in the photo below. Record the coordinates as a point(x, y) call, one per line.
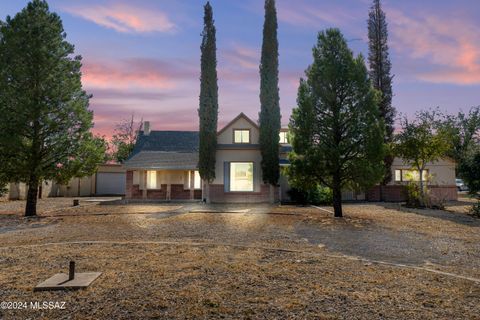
point(169, 263)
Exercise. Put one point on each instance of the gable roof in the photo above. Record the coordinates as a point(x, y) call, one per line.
point(167, 141)
point(241, 115)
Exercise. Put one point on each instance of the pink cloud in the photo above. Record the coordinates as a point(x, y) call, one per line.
point(124, 18)
point(137, 73)
point(452, 45)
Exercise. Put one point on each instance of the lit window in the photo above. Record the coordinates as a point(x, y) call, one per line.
point(151, 179)
point(410, 175)
point(283, 137)
point(241, 136)
point(197, 181)
point(398, 175)
point(241, 176)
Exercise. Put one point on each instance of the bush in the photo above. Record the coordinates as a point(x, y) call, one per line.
point(475, 209)
point(315, 196)
point(3, 189)
point(414, 197)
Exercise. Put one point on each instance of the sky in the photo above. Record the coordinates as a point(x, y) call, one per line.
point(142, 57)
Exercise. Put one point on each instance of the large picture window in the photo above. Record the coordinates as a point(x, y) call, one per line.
point(197, 181)
point(241, 176)
point(151, 179)
point(241, 136)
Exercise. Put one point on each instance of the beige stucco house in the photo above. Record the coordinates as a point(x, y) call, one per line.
point(163, 166)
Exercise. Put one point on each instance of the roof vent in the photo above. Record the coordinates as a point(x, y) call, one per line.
point(146, 128)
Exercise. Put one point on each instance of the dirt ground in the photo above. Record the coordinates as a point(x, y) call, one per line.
point(164, 261)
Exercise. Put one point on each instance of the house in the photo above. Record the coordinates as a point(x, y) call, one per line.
point(164, 166)
point(440, 177)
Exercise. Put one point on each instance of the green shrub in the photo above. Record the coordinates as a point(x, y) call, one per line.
point(475, 209)
point(316, 196)
point(414, 197)
point(3, 189)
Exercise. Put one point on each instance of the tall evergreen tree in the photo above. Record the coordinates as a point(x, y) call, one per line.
point(269, 116)
point(337, 135)
point(208, 108)
point(380, 68)
point(44, 120)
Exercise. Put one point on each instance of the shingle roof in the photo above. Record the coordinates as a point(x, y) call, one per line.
point(165, 150)
point(161, 160)
point(167, 141)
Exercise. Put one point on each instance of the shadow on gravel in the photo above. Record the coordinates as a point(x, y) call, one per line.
point(373, 243)
point(15, 223)
point(459, 218)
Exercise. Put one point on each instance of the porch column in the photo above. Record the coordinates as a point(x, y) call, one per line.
point(144, 191)
point(192, 184)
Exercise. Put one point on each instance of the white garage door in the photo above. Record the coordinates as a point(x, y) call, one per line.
point(110, 183)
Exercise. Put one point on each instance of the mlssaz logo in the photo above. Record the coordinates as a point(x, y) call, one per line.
point(47, 305)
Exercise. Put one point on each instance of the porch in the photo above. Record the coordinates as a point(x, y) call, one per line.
point(163, 185)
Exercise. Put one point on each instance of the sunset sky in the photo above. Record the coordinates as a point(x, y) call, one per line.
point(144, 57)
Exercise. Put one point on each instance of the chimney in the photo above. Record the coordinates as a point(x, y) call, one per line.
point(146, 128)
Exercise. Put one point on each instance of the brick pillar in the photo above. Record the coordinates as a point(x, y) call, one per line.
point(192, 184)
point(129, 186)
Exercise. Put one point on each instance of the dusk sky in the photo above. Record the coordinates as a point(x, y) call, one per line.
point(144, 56)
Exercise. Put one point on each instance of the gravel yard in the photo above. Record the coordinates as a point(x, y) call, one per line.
point(194, 261)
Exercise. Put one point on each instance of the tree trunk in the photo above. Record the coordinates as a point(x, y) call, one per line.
point(207, 192)
point(337, 199)
point(31, 207)
point(422, 193)
point(272, 193)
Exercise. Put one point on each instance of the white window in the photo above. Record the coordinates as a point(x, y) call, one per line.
point(151, 179)
point(410, 175)
point(197, 181)
point(241, 176)
point(283, 137)
point(241, 136)
point(398, 175)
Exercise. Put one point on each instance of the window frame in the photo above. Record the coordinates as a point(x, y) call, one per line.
point(148, 185)
point(244, 129)
point(286, 137)
point(230, 176)
point(426, 172)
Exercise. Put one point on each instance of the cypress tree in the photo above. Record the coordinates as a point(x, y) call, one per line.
point(208, 107)
point(269, 116)
point(380, 68)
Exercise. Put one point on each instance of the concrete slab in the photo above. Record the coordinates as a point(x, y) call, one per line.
point(60, 281)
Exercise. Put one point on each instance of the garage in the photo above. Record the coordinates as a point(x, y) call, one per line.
point(110, 183)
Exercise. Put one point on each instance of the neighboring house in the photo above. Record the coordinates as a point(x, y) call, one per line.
point(109, 180)
point(163, 165)
point(439, 176)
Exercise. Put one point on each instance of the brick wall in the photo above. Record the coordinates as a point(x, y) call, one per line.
point(177, 192)
point(158, 194)
point(217, 194)
point(397, 193)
